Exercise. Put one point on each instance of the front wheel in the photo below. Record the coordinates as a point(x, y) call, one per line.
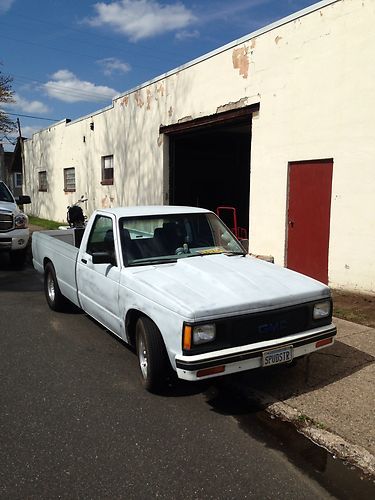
point(152, 356)
point(55, 299)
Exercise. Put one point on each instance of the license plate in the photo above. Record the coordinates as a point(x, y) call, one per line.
point(277, 356)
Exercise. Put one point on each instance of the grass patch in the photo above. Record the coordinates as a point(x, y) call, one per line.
point(44, 223)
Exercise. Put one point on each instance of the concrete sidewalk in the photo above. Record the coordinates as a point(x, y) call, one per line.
point(329, 396)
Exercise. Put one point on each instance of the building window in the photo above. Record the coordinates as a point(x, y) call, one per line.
point(69, 179)
point(18, 179)
point(107, 170)
point(42, 181)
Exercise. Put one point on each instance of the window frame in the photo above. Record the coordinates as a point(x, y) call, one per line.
point(16, 179)
point(42, 187)
point(109, 180)
point(66, 188)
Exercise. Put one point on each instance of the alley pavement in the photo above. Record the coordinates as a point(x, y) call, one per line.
point(329, 395)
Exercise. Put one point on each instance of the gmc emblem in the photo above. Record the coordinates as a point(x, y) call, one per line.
point(274, 327)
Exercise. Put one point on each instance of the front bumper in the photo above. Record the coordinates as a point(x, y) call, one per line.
point(248, 357)
point(16, 239)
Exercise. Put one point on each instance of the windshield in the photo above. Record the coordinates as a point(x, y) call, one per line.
point(5, 194)
point(158, 239)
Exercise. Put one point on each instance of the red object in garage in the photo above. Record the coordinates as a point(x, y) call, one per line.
point(231, 213)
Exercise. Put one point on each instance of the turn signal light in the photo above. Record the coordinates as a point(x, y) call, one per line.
point(323, 342)
point(210, 371)
point(187, 337)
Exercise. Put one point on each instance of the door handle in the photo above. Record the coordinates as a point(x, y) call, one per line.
point(84, 261)
point(291, 223)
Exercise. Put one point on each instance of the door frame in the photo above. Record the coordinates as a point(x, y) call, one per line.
point(299, 162)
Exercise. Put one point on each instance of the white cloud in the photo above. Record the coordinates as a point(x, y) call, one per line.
point(25, 106)
point(65, 86)
point(28, 131)
point(5, 5)
point(112, 64)
point(140, 19)
point(184, 35)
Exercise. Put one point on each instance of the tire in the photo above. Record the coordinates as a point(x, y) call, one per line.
point(18, 257)
point(55, 299)
point(152, 356)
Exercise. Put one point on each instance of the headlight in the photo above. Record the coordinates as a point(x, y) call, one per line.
point(322, 309)
point(203, 334)
point(21, 221)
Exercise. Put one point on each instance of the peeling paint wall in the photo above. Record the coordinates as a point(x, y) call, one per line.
point(313, 77)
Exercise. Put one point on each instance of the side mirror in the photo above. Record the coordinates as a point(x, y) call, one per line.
point(102, 258)
point(23, 200)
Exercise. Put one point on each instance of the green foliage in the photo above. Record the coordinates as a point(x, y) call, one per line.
point(44, 223)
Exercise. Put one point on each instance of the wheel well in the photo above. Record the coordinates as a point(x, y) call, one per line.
point(46, 261)
point(130, 322)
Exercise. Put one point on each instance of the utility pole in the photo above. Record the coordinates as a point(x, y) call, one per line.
point(22, 152)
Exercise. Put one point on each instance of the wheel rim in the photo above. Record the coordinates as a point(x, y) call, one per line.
point(50, 288)
point(142, 356)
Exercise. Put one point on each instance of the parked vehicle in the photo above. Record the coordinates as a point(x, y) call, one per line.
point(14, 231)
point(175, 283)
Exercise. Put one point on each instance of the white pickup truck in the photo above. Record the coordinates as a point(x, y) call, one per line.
point(14, 231)
point(176, 284)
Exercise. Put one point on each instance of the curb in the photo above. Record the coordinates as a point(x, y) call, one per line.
point(331, 442)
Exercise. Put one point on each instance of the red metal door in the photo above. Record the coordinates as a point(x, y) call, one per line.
point(309, 208)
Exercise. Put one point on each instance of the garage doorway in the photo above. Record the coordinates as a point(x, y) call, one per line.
point(209, 163)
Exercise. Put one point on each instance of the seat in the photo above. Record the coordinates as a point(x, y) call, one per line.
point(169, 237)
point(109, 244)
point(129, 250)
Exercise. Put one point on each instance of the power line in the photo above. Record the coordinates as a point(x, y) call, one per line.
point(29, 116)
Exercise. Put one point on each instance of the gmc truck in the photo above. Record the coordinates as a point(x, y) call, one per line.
point(14, 231)
point(177, 285)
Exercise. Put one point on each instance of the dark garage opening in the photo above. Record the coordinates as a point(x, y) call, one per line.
point(210, 166)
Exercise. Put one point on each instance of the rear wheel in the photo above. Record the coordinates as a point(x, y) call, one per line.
point(55, 299)
point(152, 356)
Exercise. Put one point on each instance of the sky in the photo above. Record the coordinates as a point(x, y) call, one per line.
point(69, 58)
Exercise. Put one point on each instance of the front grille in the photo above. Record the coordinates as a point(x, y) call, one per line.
point(6, 222)
point(259, 327)
point(265, 326)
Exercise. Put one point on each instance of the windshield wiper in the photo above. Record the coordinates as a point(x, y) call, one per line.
point(230, 254)
point(153, 261)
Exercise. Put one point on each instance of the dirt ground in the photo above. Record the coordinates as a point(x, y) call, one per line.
point(359, 308)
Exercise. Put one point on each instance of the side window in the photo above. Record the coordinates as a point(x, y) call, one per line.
point(101, 237)
point(18, 179)
point(107, 170)
point(42, 181)
point(69, 179)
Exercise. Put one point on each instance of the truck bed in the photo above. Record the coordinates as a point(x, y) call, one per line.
point(60, 248)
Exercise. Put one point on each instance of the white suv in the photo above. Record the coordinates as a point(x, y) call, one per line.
point(14, 231)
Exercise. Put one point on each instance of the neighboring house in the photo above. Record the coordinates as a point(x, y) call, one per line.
point(11, 168)
point(278, 124)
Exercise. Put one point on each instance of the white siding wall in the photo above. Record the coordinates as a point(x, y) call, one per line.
point(313, 77)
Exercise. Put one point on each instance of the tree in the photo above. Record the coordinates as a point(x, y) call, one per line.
point(6, 95)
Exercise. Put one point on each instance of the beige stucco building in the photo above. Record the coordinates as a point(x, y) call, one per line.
point(278, 124)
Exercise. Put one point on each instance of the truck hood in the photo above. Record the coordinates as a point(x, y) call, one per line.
point(204, 287)
point(6, 206)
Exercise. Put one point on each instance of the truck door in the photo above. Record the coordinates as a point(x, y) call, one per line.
point(98, 284)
